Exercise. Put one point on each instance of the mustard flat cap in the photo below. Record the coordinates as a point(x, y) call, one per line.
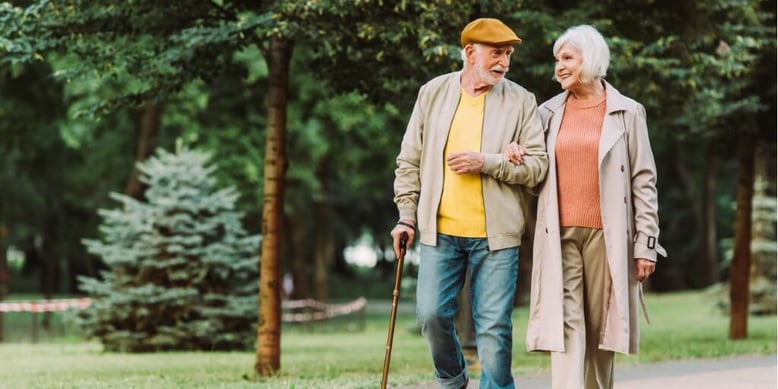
point(490, 31)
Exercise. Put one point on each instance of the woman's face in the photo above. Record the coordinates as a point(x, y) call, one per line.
point(569, 63)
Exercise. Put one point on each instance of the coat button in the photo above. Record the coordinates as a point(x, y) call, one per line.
point(546, 230)
point(622, 168)
point(625, 199)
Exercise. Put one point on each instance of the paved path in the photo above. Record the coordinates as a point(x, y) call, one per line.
point(745, 372)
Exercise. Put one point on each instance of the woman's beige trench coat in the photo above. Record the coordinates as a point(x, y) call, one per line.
point(628, 199)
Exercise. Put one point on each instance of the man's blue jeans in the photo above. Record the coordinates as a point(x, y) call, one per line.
point(492, 275)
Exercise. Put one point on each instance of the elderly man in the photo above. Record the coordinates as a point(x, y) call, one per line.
point(454, 186)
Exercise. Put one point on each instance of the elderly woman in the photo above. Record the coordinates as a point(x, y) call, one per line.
point(597, 224)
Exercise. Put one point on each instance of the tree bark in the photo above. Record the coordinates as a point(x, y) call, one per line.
point(149, 127)
point(741, 262)
point(268, 357)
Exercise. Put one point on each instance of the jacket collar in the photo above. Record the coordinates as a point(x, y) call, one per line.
point(454, 82)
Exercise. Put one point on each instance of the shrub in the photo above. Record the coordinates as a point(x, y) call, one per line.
point(181, 272)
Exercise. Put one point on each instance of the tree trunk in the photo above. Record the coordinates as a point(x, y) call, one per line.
point(709, 257)
point(741, 262)
point(52, 269)
point(4, 276)
point(149, 127)
point(323, 249)
point(298, 254)
point(268, 358)
point(692, 267)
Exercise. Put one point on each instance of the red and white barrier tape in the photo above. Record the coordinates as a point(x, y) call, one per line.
point(321, 311)
point(45, 305)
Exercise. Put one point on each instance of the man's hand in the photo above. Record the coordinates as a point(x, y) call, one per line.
point(465, 162)
point(513, 152)
point(397, 232)
point(644, 268)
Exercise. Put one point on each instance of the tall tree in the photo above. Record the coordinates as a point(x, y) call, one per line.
point(268, 359)
point(739, 290)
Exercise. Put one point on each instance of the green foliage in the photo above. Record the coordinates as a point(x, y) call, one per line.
point(159, 46)
point(719, 70)
point(381, 48)
point(344, 148)
point(28, 149)
point(227, 117)
point(386, 49)
point(181, 270)
point(20, 38)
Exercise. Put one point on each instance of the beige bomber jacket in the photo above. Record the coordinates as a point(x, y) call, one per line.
point(511, 115)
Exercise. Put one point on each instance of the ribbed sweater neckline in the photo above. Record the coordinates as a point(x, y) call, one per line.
point(579, 104)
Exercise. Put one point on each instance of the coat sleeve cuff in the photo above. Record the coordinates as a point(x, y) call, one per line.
point(408, 214)
point(648, 247)
point(492, 163)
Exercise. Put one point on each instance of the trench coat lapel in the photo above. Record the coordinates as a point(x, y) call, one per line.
point(557, 106)
point(612, 128)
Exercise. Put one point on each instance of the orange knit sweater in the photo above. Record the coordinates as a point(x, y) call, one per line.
point(577, 163)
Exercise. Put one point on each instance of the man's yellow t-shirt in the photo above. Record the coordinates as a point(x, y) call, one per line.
point(461, 212)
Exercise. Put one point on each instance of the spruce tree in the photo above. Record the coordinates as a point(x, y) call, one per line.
point(181, 272)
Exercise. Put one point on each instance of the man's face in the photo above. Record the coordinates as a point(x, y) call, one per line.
point(492, 62)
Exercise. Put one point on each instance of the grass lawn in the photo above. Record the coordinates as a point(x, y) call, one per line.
point(684, 325)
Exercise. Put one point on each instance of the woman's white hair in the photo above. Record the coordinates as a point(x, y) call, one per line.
point(593, 48)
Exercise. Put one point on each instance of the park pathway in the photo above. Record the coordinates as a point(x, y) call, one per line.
point(739, 372)
point(744, 372)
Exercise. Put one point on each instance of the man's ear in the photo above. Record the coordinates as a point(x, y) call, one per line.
point(470, 52)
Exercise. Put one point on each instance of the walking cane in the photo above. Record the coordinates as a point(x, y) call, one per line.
point(393, 316)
